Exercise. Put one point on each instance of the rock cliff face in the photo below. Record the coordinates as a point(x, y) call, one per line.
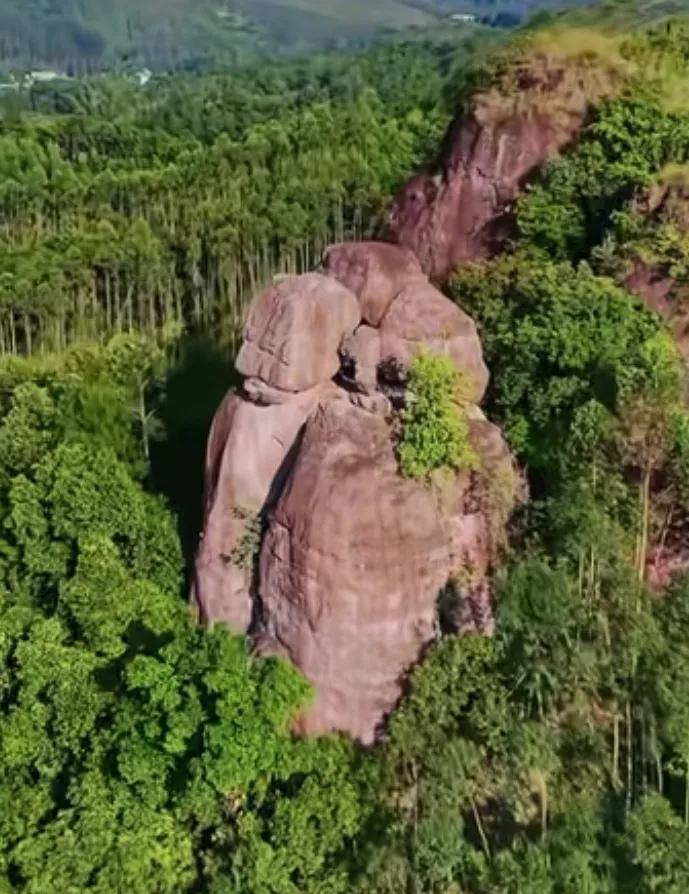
point(461, 210)
point(313, 542)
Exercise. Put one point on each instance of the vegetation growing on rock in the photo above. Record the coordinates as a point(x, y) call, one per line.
point(435, 431)
point(247, 550)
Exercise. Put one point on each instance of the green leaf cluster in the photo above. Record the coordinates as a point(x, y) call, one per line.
point(138, 751)
point(435, 430)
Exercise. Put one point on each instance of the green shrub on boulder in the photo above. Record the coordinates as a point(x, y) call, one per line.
point(435, 430)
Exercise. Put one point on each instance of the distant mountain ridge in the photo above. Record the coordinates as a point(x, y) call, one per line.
point(78, 36)
point(83, 35)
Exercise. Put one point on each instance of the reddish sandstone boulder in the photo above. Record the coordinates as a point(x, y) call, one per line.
point(360, 354)
point(351, 567)
point(375, 271)
point(357, 560)
point(250, 449)
point(294, 330)
point(461, 211)
point(422, 318)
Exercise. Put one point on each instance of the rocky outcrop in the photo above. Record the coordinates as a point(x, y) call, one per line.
point(294, 331)
point(248, 459)
point(354, 563)
point(353, 560)
point(374, 271)
point(313, 541)
point(352, 568)
point(461, 210)
point(421, 317)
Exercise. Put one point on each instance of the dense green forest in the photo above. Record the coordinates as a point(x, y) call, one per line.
point(141, 753)
point(120, 210)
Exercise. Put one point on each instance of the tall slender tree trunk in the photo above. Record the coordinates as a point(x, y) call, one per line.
point(630, 755)
point(643, 536)
point(144, 428)
point(616, 749)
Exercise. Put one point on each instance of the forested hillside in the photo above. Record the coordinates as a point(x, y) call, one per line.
point(171, 206)
point(87, 35)
point(143, 753)
point(83, 35)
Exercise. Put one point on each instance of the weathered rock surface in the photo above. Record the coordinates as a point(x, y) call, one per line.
point(375, 271)
point(249, 453)
point(359, 568)
point(294, 331)
point(422, 318)
point(361, 355)
point(355, 559)
point(461, 211)
point(354, 556)
point(352, 562)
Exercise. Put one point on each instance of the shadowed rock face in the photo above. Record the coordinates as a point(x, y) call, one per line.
point(354, 556)
point(361, 357)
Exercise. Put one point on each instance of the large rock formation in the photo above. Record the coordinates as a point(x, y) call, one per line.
point(353, 561)
point(356, 558)
point(374, 271)
point(313, 542)
point(346, 579)
point(421, 316)
point(461, 210)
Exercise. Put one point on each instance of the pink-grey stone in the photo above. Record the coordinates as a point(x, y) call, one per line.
point(375, 271)
point(250, 449)
point(294, 331)
point(422, 318)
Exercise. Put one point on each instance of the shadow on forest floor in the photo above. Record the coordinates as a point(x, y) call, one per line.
point(196, 384)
